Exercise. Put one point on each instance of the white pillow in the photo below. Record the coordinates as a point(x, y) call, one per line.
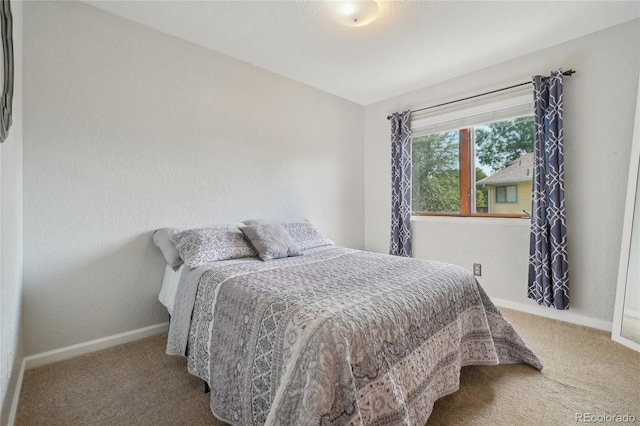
point(162, 239)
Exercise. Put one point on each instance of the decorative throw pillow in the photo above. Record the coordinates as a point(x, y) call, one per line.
point(271, 241)
point(306, 236)
point(204, 245)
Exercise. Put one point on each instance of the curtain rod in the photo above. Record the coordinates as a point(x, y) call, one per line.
point(567, 73)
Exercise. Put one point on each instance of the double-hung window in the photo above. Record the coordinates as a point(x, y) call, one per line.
point(474, 158)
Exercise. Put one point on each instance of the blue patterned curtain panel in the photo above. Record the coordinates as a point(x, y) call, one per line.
point(548, 270)
point(400, 184)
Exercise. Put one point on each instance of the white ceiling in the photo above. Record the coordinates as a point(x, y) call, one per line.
point(411, 45)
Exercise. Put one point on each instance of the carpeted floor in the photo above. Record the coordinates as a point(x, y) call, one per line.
point(585, 374)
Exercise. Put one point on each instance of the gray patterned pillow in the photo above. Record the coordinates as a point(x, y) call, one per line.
point(271, 241)
point(204, 245)
point(306, 236)
point(162, 239)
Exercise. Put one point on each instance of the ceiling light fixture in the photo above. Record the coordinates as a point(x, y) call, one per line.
point(355, 13)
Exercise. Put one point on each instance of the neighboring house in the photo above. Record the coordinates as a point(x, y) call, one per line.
point(510, 188)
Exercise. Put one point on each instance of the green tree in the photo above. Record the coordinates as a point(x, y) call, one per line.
point(499, 144)
point(482, 193)
point(436, 182)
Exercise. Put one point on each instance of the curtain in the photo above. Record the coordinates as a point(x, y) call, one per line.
point(401, 184)
point(548, 275)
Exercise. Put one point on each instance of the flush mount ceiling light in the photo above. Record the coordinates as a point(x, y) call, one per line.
point(356, 13)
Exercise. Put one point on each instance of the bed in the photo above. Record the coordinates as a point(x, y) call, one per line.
point(330, 335)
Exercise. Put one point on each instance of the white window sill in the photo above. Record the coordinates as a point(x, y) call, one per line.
point(471, 219)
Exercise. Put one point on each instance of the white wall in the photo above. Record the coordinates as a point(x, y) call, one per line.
point(128, 130)
point(599, 103)
point(11, 234)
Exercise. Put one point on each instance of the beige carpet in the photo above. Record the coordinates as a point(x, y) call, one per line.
point(136, 384)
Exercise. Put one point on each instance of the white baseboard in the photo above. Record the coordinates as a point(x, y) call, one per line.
point(33, 361)
point(566, 316)
point(72, 351)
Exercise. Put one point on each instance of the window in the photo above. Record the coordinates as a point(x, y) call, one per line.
point(507, 194)
point(436, 173)
point(476, 159)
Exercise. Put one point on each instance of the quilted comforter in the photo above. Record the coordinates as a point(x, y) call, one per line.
point(337, 336)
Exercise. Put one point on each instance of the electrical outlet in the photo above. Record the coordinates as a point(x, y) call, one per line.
point(477, 269)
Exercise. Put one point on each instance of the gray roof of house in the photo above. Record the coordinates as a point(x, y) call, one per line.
point(520, 170)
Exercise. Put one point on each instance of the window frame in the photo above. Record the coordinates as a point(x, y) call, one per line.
point(466, 166)
point(463, 116)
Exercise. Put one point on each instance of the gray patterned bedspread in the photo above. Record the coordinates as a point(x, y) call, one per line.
point(338, 336)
